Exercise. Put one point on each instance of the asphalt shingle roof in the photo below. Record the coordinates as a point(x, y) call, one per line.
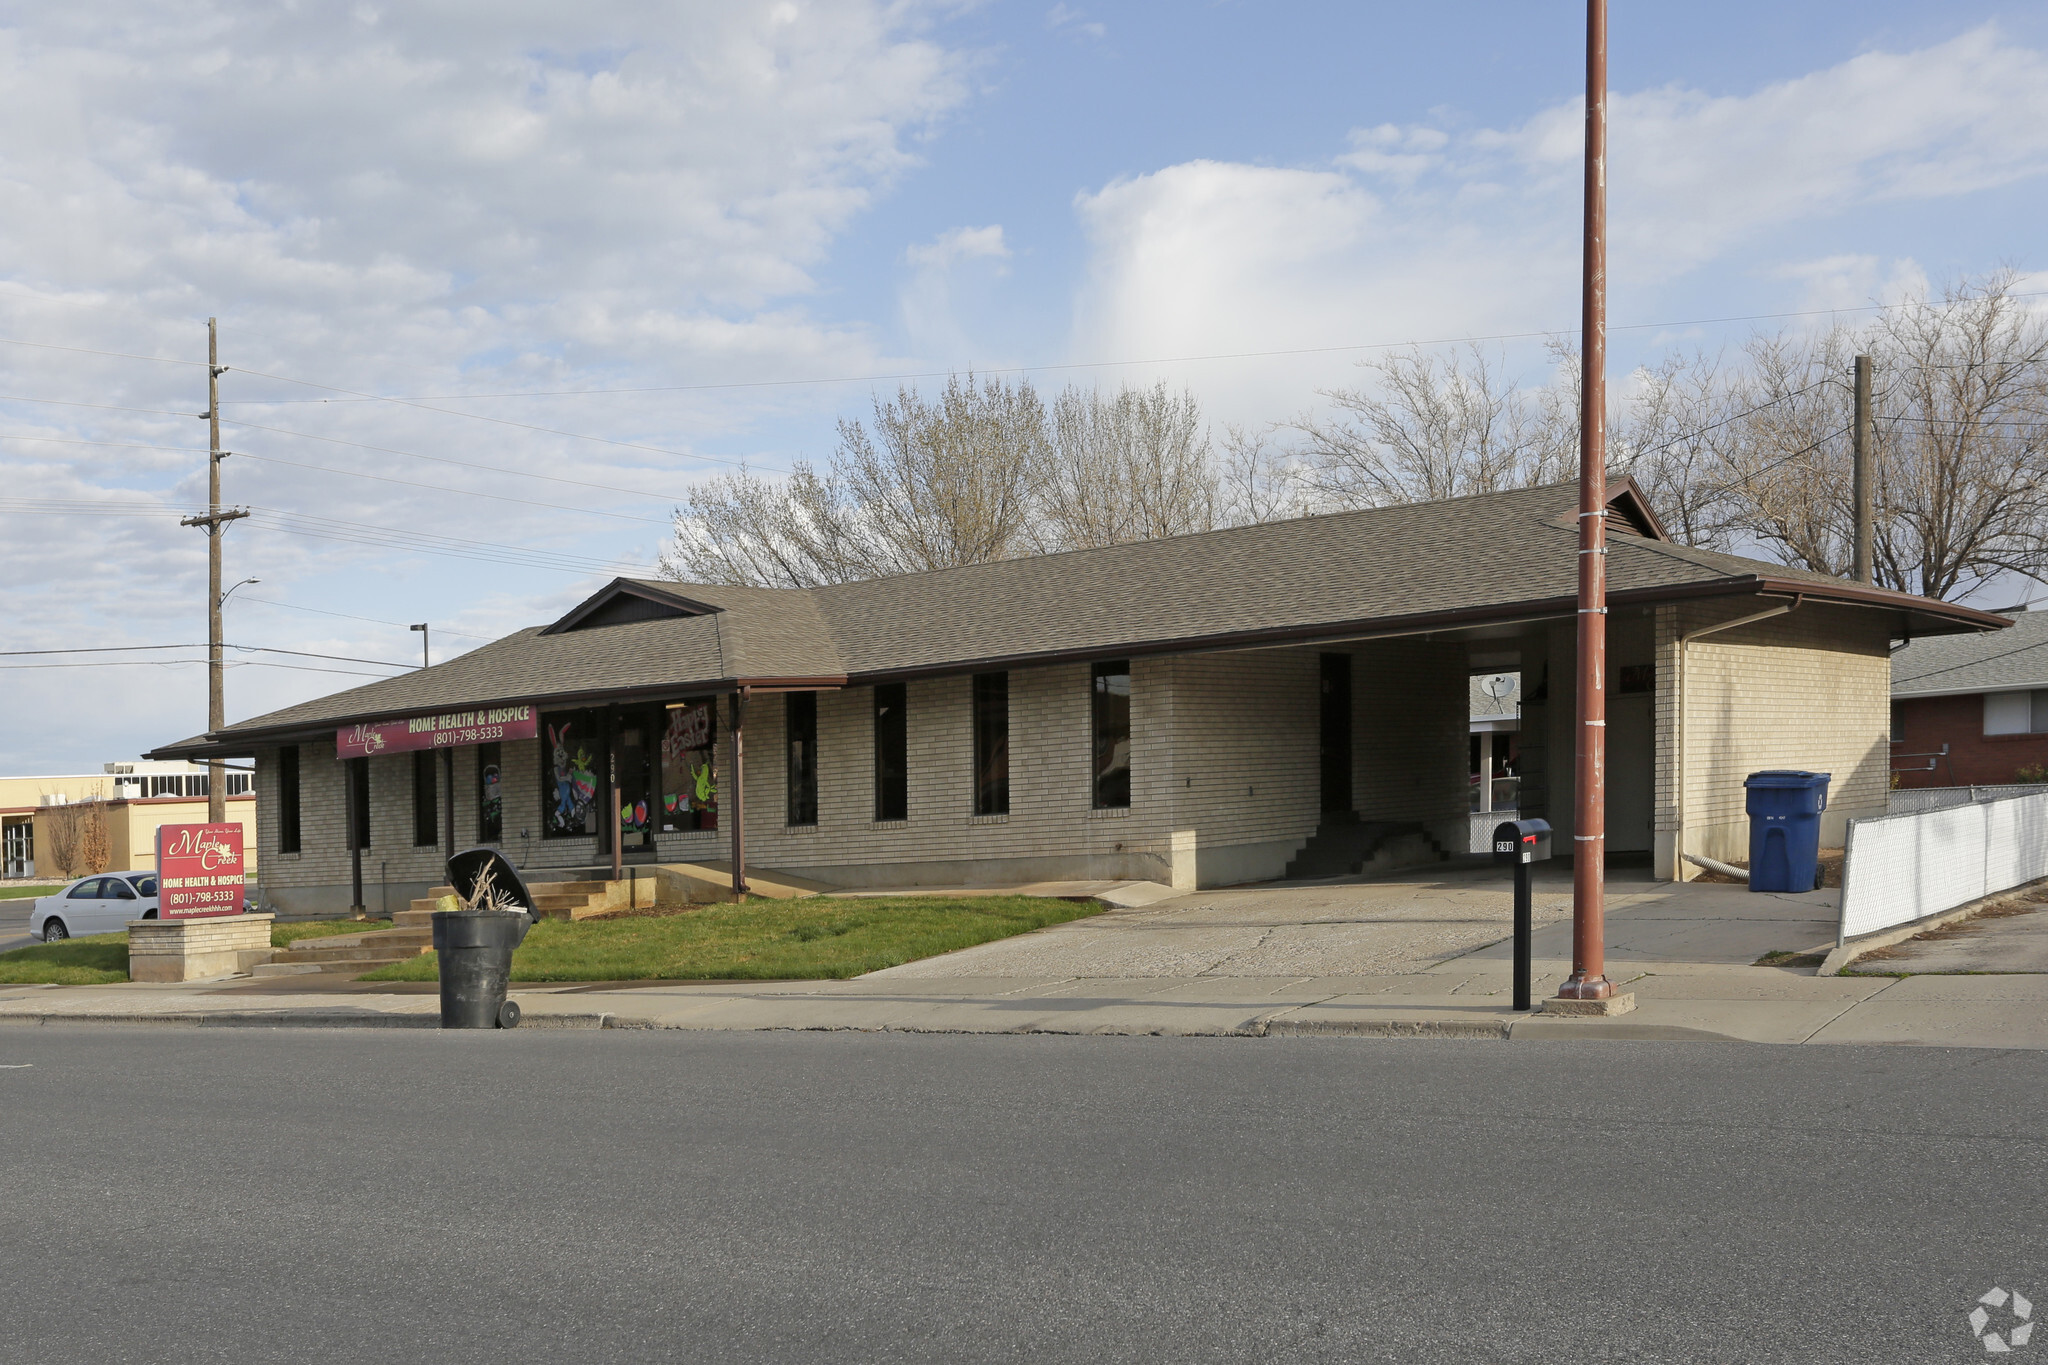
point(1948, 664)
point(1475, 556)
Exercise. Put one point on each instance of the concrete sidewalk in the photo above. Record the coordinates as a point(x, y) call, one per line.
point(1420, 957)
point(1761, 1004)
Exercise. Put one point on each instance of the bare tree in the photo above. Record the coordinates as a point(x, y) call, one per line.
point(76, 838)
point(1429, 428)
point(1134, 466)
point(934, 485)
point(1961, 425)
point(1259, 482)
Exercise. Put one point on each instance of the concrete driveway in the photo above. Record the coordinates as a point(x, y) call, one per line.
point(1451, 920)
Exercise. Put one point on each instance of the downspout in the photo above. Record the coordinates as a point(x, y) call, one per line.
point(1679, 856)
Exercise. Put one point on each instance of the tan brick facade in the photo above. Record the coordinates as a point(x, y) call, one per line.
point(1225, 782)
point(1810, 689)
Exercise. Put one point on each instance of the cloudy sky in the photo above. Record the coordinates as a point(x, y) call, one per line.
point(497, 282)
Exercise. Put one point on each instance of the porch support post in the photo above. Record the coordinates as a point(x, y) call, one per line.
point(739, 792)
point(448, 798)
point(611, 764)
point(355, 838)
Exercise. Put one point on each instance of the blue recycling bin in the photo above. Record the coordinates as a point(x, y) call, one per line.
point(1784, 829)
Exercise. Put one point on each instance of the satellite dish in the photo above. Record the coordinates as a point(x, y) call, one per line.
point(1499, 685)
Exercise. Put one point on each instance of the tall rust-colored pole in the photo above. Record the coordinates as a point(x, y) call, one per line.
point(1588, 980)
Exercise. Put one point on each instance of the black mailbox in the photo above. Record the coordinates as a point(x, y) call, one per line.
point(1521, 841)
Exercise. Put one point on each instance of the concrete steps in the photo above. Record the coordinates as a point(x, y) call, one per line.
point(1343, 845)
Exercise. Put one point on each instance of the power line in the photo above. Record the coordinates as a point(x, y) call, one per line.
point(481, 417)
point(444, 488)
point(87, 350)
point(472, 464)
point(103, 407)
point(1068, 365)
point(373, 620)
point(123, 445)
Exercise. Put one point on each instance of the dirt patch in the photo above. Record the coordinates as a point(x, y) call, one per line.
point(1830, 871)
point(1787, 957)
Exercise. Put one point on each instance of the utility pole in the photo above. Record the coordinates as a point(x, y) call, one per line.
point(426, 659)
point(1866, 477)
point(215, 523)
point(1588, 981)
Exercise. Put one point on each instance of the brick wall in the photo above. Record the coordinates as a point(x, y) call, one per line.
point(1807, 690)
point(1974, 758)
point(1224, 755)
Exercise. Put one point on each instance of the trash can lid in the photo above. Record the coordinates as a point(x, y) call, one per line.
point(1786, 777)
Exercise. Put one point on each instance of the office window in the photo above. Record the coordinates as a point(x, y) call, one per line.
point(991, 744)
point(2016, 713)
point(1112, 716)
point(426, 826)
point(573, 749)
point(800, 730)
point(288, 799)
point(490, 796)
point(892, 754)
point(358, 778)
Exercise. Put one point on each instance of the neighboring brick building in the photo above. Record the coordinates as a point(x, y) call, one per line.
point(1972, 710)
point(1190, 711)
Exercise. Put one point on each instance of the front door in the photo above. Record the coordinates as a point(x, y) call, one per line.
point(633, 746)
point(1336, 732)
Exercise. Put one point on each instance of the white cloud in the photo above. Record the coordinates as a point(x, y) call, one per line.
point(1420, 232)
point(445, 198)
point(1064, 18)
point(961, 244)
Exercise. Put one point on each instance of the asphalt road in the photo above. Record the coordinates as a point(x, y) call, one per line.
point(14, 913)
point(244, 1195)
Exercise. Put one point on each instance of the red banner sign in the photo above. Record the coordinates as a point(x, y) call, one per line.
point(482, 726)
point(199, 871)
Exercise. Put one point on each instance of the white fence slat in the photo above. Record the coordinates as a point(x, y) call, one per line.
point(1900, 868)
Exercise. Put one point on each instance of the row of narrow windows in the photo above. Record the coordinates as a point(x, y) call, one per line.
point(663, 756)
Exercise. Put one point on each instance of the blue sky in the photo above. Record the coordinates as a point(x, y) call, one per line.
point(443, 201)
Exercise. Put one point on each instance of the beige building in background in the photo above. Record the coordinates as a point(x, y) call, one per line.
point(129, 799)
point(1289, 699)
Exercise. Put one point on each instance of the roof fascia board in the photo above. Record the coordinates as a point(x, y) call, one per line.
point(1906, 692)
point(300, 731)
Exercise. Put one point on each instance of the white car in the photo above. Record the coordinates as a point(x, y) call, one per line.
point(99, 904)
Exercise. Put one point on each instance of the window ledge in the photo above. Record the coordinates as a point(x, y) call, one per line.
point(1110, 813)
point(1002, 819)
point(811, 828)
point(890, 824)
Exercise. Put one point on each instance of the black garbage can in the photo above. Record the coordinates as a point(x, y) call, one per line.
point(475, 946)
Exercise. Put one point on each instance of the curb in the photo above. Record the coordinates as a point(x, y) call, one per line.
point(1498, 1030)
point(301, 1019)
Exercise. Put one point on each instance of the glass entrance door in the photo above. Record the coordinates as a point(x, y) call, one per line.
point(633, 744)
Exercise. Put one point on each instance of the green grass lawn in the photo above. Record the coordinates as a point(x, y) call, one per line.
point(816, 938)
point(284, 935)
point(15, 893)
point(103, 958)
point(91, 961)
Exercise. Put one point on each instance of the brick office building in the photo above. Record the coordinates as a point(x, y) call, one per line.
point(1191, 711)
point(1972, 710)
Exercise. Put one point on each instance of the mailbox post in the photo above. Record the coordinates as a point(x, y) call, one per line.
point(1521, 843)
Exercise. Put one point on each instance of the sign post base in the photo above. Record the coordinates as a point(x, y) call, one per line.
point(197, 949)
